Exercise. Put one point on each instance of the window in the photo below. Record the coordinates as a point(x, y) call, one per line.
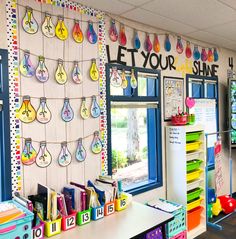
point(134, 129)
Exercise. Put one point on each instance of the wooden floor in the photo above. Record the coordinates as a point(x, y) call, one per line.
point(228, 232)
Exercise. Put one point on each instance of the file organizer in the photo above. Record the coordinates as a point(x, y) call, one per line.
point(52, 228)
point(83, 217)
point(68, 222)
point(109, 208)
point(121, 203)
point(97, 213)
point(38, 231)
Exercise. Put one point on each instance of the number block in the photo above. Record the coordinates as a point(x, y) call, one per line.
point(38, 231)
point(83, 217)
point(121, 203)
point(109, 208)
point(97, 213)
point(52, 228)
point(68, 222)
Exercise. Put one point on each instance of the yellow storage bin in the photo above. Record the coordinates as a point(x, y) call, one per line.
point(194, 175)
point(193, 204)
point(193, 146)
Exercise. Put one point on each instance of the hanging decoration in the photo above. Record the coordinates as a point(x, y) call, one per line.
point(156, 44)
point(215, 53)
point(91, 34)
point(179, 45)
point(113, 33)
point(27, 113)
point(26, 67)
point(48, 28)
point(60, 74)
point(42, 73)
point(95, 109)
point(64, 158)
point(133, 80)
point(96, 145)
point(137, 43)
point(76, 73)
point(167, 44)
point(28, 155)
point(80, 153)
point(93, 72)
point(122, 36)
point(115, 78)
point(196, 53)
point(210, 56)
point(29, 23)
point(188, 50)
point(84, 111)
point(124, 83)
point(77, 33)
point(204, 55)
point(61, 29)
point(67, 113)
point(43, 158)
point(147, 43)
point(44, 115)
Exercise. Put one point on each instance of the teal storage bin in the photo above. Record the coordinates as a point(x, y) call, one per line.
point(18, 228)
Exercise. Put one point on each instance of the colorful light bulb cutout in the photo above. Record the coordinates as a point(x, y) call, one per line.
point(137, 43)
point(26, 67)
point(124, 83)
point(48, 28)
point(210, 56)
point(41, 72)
point(76, 73)
point(64, 158)
point(156, 44)
point(60, 74)
point(27, 113)
point(96, 145)
point(216, 56)
point(93, 72)
point(44, 115)
point(28, 155)
point(167, 44)
point(148, 43)
point(29, 23)
point(188, 50)
point(179, 45)
point(77, 32)
point(80, 153)
point(133, 80)
point(67, 113)
point(61, 29)
point(43, 158)
point(84, 111)
point(115, 78)
point(204, 55)
point(91, 34)
point(113, 33)
point(122, 35)
point(95, 108)
point(196, 53)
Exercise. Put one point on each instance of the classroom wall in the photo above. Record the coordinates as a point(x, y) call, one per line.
point(222, 74)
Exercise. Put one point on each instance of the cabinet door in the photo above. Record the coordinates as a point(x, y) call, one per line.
point(5, 155)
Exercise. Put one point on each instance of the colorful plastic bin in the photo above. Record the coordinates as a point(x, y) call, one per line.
point(193, 136)
point(121, 203)
point(193, 165)
point(194, 175)
point(18, 228)
point(194, 218)
point(155, 234)
point(84, 217)
point(109, 208)
point(181, 235)
point(193, 204)
point(193, 146)
point(194, 194)
point(38, 231)
point(97, 213)
point(52, 228)
point(68, 222)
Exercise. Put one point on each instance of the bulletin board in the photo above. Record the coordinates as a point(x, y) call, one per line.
point(25, 177)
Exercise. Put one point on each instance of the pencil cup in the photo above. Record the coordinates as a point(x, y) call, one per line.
point(83, 217)
point(97, 213)
point(68, 222)
point(52, 228)
point(121, 203)
point(109, 208)
point(38, 231)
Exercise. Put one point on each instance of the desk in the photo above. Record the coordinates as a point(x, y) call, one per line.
point(132, 222)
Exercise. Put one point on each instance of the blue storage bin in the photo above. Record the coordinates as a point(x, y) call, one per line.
point(18, 228)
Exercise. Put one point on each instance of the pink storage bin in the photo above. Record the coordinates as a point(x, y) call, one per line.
point(182, 235)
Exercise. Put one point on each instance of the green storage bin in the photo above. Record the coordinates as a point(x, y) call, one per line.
point(193, 164)
point(193, 136)
point(194, 194)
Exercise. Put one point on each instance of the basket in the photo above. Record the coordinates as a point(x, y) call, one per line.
point(194, 218)
point(179, 119)
point(191, 119)
point(193, 136)
point(194, 175)
point(193, 165)
point(154, 234)
point(182, 235)
point(193, 194)
point(194, 204)
point(18, 228)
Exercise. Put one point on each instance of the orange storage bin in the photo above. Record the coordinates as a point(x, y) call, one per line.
point(194, 217)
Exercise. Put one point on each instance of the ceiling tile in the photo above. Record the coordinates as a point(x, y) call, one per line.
point(136, 2)
point(111, 6)
point(197, 13)
point(231, 3)
point(146, 17)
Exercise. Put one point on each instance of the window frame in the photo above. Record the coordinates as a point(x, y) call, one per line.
point(154, 156)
